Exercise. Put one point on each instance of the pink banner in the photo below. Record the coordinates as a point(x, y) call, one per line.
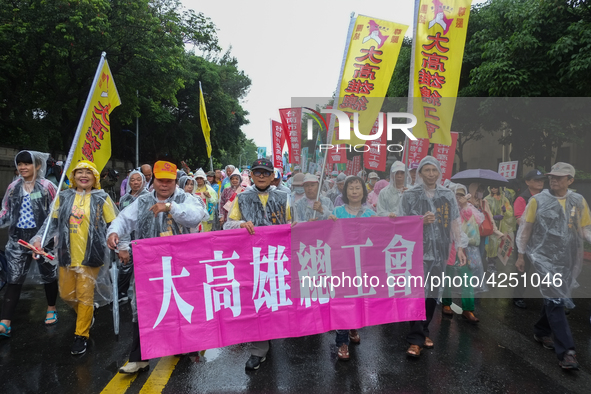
point(375, 158)
point(278, 141)
point(291, 119)
point(445, 155)
point(209, 290)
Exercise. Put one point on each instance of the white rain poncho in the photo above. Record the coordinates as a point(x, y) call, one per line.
point(504, 221)
point(552, 237)
point(89, 245)
point(439, 236)
point(25, 207)
point(389, 198)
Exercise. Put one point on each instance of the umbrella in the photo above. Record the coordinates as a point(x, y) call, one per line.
point(114, 271)
point(486, 177)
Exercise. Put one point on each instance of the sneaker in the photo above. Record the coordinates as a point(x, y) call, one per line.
point(569, 361)
point(123, 297)
point(254, 362)
point(135, 367)
point(546, 341)
point(79, 345)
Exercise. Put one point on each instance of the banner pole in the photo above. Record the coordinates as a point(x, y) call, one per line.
point(410, 106)
point(74, 143)
point(330, 131)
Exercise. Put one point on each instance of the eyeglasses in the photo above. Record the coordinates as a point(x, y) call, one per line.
point(263, 173)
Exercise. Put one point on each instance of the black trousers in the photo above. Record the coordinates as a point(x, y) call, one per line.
point(519, 291)
point(136, 350)
point(553, 322)
point(419, 329)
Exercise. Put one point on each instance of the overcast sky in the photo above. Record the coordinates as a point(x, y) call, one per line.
point(290, 49)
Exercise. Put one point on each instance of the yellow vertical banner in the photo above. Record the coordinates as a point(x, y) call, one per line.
point(204, 122)
point(439, 49)
point(94, 140)
point(374, 46)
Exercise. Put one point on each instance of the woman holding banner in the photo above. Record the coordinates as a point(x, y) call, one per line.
point(354, 197)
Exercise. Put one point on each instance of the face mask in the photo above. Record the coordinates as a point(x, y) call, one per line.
point(299, 189)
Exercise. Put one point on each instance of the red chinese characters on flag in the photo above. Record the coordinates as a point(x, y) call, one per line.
point(416, 150)
point(353, 166)
point(291, 119)
point(375, 157)
point(445, 155)
point(337, 154)
point(98, 127)
point(278, 141)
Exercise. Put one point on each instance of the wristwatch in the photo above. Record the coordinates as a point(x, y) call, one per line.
point(168, 206)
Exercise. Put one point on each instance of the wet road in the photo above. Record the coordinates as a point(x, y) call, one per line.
point(498, 355)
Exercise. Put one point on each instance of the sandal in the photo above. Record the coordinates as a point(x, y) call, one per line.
point(414, 351)
point(343, 352)
point(53, 317)
point(354, 336)
point(7, 330)
point(428, 343)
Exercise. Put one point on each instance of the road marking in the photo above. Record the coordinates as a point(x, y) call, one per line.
point(456, 308)
point(160, 375)
point(119, 384)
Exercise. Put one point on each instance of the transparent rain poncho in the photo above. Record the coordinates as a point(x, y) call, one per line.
point(445, 231)
point(552, 237)
point(210, 202)
point(303, 209)
point(138, 222)
point(389, 198)
point(504, 221)
point(276, 211)
point(228, 193)
point(183, 181)
point(129, 196)
point(333, 193)
point(471, 219)
point(89, 244)
point(372, 198)
point(186, 212)
point(25, 207)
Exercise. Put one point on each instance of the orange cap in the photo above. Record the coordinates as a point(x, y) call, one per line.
point(164, 170)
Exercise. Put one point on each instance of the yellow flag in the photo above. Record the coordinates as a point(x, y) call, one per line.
point(439, 50)
point(94, 141)
point(374, 46)
point(204, 122)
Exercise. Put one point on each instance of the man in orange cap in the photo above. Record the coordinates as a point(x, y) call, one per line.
point(165, 211)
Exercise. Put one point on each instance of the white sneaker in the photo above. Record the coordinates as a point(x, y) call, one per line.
point(135, 367)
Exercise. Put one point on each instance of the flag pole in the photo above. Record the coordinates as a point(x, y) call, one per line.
point(330, 131)
point(410, 105)
point(74, 143)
